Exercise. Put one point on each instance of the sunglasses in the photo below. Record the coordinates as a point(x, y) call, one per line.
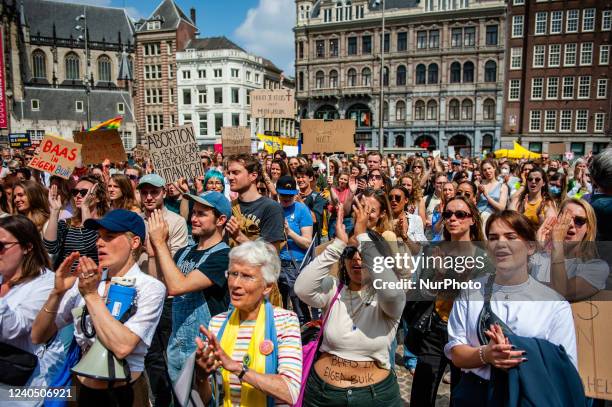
point(81, 192)
point(375, 177)
point(458, 214)
point(465, 194)
point(536, 180)
point(5, 245)
point(395, 198)
point(580, 221)
point(133, 177)
point(417, 166)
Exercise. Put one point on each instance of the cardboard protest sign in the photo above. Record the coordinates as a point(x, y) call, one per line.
point(593, 333)
point(139, 152)
point(100, 145)
point(556, 148)
point(20, 140)
point(333, 136)
point(236, 140)
point(174, 153)
point(273, 104)
point(56, 156)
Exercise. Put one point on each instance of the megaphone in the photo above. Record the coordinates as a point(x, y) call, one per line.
point(100, 363)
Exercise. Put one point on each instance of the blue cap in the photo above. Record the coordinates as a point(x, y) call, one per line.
point(456, 162)
point(120, 220)
point(213, 199)
point(152, 179)
point(286, 185)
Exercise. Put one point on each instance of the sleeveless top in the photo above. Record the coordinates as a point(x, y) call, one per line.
point(483, 204)
point(532, 210)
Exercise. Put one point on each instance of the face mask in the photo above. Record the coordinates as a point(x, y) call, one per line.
point(505, 171)
point(554, 190)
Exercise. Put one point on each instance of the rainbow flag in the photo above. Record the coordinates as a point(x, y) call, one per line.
point(111, 124)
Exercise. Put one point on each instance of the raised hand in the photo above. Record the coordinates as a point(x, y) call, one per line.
point(55, 201)
point(362, 212)
point(560, 228)
point(340, 228)
point(90, 275)
point(157, 228)
point(64, 277)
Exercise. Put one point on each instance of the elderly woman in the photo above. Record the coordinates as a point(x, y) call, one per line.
point(257, 345)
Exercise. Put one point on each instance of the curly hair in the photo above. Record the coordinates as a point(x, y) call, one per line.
point(102, 206)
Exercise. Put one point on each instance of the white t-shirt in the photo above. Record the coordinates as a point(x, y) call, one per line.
point(529, 309)
point(149, 304)
point(594, 271)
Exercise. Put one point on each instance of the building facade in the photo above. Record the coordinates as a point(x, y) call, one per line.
point(558, 74)
point(442, 78)
point(158, 39)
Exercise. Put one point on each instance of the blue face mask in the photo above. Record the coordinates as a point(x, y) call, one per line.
point(554, 190)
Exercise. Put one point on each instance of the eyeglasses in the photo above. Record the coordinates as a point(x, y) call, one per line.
point(375, 177)
point(6, 245)
point(464, 193)
point(580, 221)
point(133, 177)
point(458, 214)
point(234, 275)
point(394, 198)
point(81, 192)
point(536, 180)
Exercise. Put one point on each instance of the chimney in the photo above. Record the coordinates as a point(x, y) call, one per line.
point(192, 12)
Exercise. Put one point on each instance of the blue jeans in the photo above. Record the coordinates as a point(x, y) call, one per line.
point(331, 229)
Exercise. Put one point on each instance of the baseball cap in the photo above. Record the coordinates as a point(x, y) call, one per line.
point(456, 162)
point(119, 220)
point(213, 199)
point(286, 185)
point(152, 179)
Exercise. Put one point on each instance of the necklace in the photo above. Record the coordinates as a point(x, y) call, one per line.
point(367, 301)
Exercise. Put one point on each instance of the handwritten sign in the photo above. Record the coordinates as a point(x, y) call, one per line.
point(100, 145)
point(20, 140)
point(140, 152)
point(56, 156)
point(273, 104)
point(174, 153)
point(236, 140)
point(333, 136)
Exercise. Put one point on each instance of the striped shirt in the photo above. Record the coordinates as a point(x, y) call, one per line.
point(289, 350)
point(72, 239)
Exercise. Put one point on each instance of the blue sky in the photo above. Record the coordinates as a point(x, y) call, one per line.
point(262, 27)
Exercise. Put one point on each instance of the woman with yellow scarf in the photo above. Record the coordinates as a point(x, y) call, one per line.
point(257, 346)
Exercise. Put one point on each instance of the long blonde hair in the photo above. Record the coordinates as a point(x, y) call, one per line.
point(587, 249)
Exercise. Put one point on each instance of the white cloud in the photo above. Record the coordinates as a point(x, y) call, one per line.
point(267, 31)
point(134, 13)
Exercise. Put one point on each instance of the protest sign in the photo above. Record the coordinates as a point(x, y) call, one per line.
point(174, 153)
point(20, 140)
point(236, 140)
point(273, 104)
point(556, 148)
point(100, 145)
point(335, 136)
point(593, 332)
point(56, 156)
point(139, 152)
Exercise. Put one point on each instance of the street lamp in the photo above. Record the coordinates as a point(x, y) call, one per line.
point(381, 129)
point(84, 37)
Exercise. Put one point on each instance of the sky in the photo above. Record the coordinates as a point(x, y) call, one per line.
point(261, 27)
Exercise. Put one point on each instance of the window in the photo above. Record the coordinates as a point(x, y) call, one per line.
point(468, 72)
point(539, 52)
point(153, 96)
point(186, 96)
point(467, 109)
point(434, 39)
point(554, 55)
point(120, 108)
point(571, 21)
point(432, 73)
point(170, 71)
point(432, 110)
point(248, 96)
point(556, 22)
point(514, 92)
point(456, 37)
point(39, 65)
point(386, 43)
point(301, 50)
point(517, 26)
point(600, 119)
point(491, 71)
point(78, 106)
point(187, 119)
point(606, 20)
point(186, 74)
point(235, 95)
point(588, 19)
point(541, 18)
point(602, 88)
point(202, 73)
point(333, 79)
point(454, 110)
point(535, 120)
point(155, 122)
point(153, 25)
point(366, 77)
point(333, 47)
point(604, 54)
point(400, 111)
point(516, 58)
point(584, 87)
point(202, 96)
point(420, 74)
point(104, 69)
point(328, 15)
point(203, 125)
point(518, 2)
point(366, 44)
point(351, 77)
point(386, 76)
point(352, 46)
point(171, 120)
point(319, 80)
point(400, 76)
point(152, 49)
point(586, 53)
point(386, 111)
point(320, 48)
point(235, 119)
point(218, 123)
point(169, 48)
point(565, 124)
point(469, 37)
point(550, 121)
point(491, 37)
point(552, 87)
point(419, 110)
point(568, 87)
point(170, 95)
point(218, 73)
point(235, 73)
point(402, 41)
point(421, 39)
point(488, 109)
point(570, 55)
point(218, 96)
point(248, 76)
point(455, 72)
point(582, 120)
point(537, 86)
point(73, 67)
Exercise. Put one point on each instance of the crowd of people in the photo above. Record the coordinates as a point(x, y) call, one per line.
point(236, 273)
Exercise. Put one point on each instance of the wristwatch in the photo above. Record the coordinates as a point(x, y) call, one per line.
point(245, 369)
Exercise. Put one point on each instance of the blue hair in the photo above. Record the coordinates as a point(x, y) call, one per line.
point(214, 174)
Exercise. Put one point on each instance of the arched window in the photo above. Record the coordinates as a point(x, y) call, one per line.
point(453, 110)
point(104, 69)
point(386, 76)
point(455, 72)
point(399, 140)
point(73, 67)
point(361, 114)
point(488, 109)
point(432, 73)
point(400, 111)
point(319, 79)
point(351, 77)
point(419, 110)
point(39, 65)
point(333, 79)
point(301, 81)
point(491, 71)
point(401, 75)
point(366, 77)
point(420, 74)
point(432, 110)
point(386, 111)
point(467, 109)
point(326, 112)
point(468, 72)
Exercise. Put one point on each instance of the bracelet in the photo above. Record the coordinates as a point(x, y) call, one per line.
point(481, 355)
point(49, 312)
